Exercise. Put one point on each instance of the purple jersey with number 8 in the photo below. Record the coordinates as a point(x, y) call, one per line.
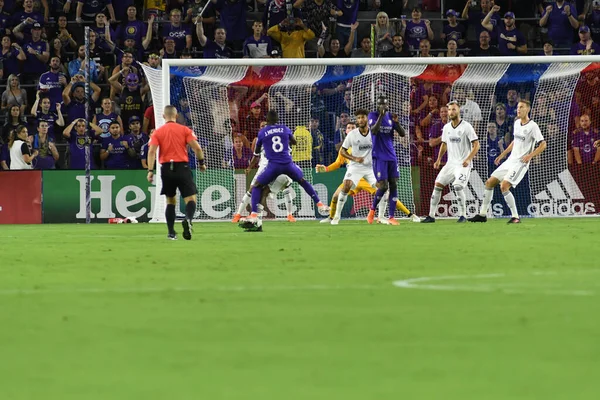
point(275, 140)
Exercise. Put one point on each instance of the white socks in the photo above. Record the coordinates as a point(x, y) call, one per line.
point(383, 205)
point(287, 194)
point(435, 200)
point(245, 201)
point(510, 200)
point(340, 205)
point(487, 200)
point(461, 198)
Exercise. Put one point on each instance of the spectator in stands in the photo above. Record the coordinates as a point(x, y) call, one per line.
point(548, 48)
point(74, 97)
point(593, 20)
point(23, 21)
point(136, 140)
point(495, 145)
point(469, 110)
point(503, 122)
point(383, 34)
point(476, 17)
point(134, 47)
point(393, 8)
point(106, 34)
point(512, 100)
point(78, 141)
point(435, 133)
point(276, 12)
point(11, 57)
point(345, 21)
point(53, 81)
point(251, 124)
point(103, 60)
point(399, 49)
point(44, 144)
point(232, 16)
point(241, 154)
point(416, 29)
point(126, 64)
point(57, 50)
point(181, 34)
point(169, 50)
point(257, 45)
point(561, 19)
point(41, 110)
point(132, 93)
point(77, 66)
point(317, 14)
point(115, 149)
point(425, 48)
point(364, 51)
point(14, 95)
point(340, 129)
point(302, 151)
point(433, 115)
point(511, 41)
point(148, 124)
point(451, 49)
point(335, 50)
point(37, 51)
point(14, 118)
point(5, 18)
point(106, 116)
point(216, 49)
point(209, 17)
point(91, 9)
point(345, 107)
point(453, 30)
point(63, 35)
point(484, 49)
point(153, 61)
point(292, 34)
point(21, 154)
point(584, 151)
point(4, 157)
point(318, 142)
point(586, 46)
point(133, 28)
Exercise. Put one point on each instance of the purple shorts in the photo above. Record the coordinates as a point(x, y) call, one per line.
point(273, 170)
point(385, 170)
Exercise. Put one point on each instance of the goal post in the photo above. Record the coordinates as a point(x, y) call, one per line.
point(224, 101)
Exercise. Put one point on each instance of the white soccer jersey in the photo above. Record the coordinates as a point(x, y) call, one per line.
point(263, 159)
point(470, 111)
point(525, 138)
point(362, 146)
point(458, 141)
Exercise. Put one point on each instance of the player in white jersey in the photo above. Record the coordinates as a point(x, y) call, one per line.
point(526, 135)
point(361, 160)
point(281, 184)
point(462, 143)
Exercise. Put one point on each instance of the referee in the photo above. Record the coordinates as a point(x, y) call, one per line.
point(172, 139)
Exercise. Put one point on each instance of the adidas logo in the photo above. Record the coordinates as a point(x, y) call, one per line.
point(556, 200)
point(474, 193)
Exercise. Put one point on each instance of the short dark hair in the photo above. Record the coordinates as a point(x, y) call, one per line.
point(114, 122)
point(40, 121)
point(257, 21)
point(272, 117)
point(361, 111)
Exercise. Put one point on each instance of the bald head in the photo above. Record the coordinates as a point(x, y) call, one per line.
point(170, 113)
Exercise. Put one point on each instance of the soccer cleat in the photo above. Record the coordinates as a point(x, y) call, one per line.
point(188, 229)
point(478, 218)
point(254, 228)
point(428, 220)
point(514, 221)
point(236, 218)
point(371, 216)
point(291, 218)
point(325, 221)
point(383, 221)
point(172, 236)
point(335, 221)
point(415, 218)
point(323, 209)
point(393, 221)
point(461, 220)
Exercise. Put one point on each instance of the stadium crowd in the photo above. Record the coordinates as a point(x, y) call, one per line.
point(43, 62)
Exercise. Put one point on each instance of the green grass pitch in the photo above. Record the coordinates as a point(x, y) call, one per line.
point(301, 311)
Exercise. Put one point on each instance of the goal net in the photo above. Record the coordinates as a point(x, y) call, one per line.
point(225, 102)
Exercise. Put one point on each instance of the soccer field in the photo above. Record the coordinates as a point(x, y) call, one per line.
point(301, 311)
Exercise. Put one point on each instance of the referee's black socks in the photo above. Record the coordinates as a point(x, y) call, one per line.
point(170, 216)
point(190, 209)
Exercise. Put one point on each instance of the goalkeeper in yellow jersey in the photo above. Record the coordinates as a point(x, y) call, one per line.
point(362, 185)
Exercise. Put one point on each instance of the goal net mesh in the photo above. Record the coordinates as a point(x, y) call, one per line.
point(226, 105)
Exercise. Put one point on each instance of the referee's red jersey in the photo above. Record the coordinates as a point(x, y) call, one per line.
point(172, 139)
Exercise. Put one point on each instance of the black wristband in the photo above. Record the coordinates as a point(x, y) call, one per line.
point(201, 162)
point(151, 170)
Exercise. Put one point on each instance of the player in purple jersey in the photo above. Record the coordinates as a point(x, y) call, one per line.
point(385, 162)
point(275, 139)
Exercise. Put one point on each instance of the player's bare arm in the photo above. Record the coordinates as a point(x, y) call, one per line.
point(199, 154)
point(345, 154)
point(503, 155)
point(538, 150)
point(438, 162)
point(474, 149)
point(150, 161)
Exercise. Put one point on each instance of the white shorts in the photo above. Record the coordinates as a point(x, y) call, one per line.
point(457, 175)
point(280, 183)
point(511, 171)
point(355, 173)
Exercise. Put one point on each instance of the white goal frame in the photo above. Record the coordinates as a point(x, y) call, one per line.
point(158, 212)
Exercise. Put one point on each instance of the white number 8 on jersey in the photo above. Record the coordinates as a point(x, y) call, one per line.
point(277, 145)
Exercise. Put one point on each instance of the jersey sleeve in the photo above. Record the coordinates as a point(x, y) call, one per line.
point(190, 136)
point(347, 141)
point(537, 134)
point(471, 133)
point(444, 135)
point(25, 149)
point(337, 164)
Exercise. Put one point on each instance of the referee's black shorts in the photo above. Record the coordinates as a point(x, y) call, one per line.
point(177, 175)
